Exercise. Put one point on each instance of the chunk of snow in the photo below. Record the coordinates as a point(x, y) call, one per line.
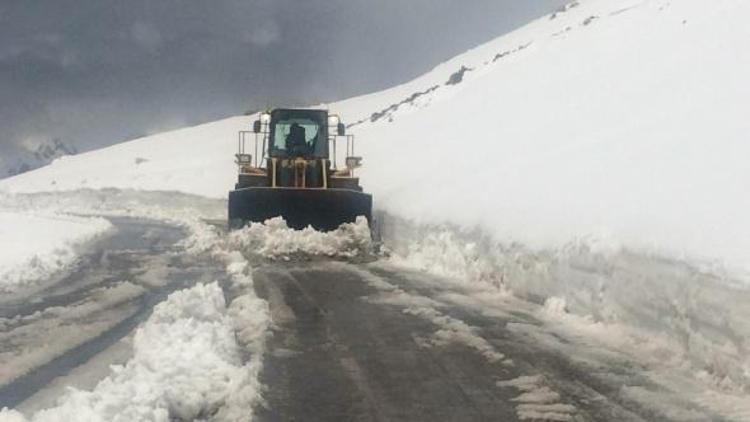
point(537, 400)
point(274, 239)
point(555, 306)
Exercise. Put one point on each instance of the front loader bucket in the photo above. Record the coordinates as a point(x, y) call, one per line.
point(323, 209)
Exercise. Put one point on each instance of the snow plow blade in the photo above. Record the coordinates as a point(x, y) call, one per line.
point(323, 209)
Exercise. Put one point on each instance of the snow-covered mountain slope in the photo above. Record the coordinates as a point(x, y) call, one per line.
point(617, 121)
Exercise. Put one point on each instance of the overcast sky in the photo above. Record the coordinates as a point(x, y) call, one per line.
point(95, 72)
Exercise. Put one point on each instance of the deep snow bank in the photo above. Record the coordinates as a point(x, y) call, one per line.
point(672, 317)
point(36, 246)
point(619, 121)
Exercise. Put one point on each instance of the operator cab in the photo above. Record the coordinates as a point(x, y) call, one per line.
point(299, 133)
point(296, 152)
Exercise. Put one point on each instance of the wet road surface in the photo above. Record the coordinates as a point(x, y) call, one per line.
point(373, 343)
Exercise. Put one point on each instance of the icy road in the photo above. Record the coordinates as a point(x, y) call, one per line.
point(371, 342)
point(350, 340)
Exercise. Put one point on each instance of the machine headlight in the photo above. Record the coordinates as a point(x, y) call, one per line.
point(333, 120)
point(265, 117)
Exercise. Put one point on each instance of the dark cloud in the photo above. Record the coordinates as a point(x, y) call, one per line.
point(94, 72)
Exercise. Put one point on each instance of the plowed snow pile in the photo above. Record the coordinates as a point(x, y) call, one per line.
point(274, 239)
point(187, 365)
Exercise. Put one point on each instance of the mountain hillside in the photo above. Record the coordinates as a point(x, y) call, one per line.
point(612, 122)
point(30, 158)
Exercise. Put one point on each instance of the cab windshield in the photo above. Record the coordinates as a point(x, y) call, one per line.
point(296, 137)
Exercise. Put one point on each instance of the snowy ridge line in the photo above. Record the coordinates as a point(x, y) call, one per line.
point(662, 311)
point(452, 71)
point(564, 8)
point(424, 96)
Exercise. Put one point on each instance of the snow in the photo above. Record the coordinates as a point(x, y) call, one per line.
point(663, 313)
point(538, 401)
point(37, 246)
point(593, 161)
point(274, 239)
point(698, 363)
point(176, 208)
point(198, 355)
point(186, 365)
point(629, 130)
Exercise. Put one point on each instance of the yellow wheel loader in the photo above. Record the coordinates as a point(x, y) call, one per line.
point(292, 172)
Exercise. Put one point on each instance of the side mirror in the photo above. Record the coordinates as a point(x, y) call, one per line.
point(256, 126)
point(341, 129)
